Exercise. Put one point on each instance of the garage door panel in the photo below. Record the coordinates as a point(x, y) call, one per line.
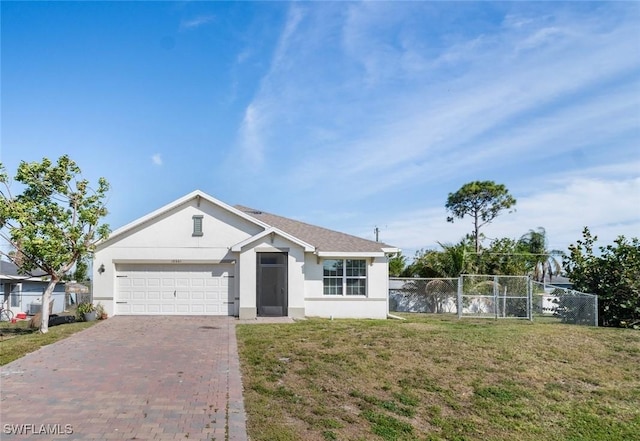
point(174, 289)
point(138, 295)
point(137, 309)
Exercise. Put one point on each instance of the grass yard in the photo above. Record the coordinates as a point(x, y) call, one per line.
point(440, 378)
point(17, 340)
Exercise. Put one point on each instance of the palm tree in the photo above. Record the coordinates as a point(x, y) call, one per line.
point(543, 262)
point(397, 264)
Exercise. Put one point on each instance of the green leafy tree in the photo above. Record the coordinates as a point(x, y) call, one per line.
point(54, 222)
point(503, 257)
point(448, 262)
point(613, 274)
point(397, 264)
point(483, 201)
point(542, 261)
point(80, 272)
point(419, 267)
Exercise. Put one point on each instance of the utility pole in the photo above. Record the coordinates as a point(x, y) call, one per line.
point(376, 230)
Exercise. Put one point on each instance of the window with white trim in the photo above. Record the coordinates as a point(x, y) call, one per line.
point(344, 277)
point(197, 225)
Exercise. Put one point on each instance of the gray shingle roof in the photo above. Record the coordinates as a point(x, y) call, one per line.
point(10, 269)
point(322, 238)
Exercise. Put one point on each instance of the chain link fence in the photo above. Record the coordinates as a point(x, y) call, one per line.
point(438, 296)
point(564, 304)
point(27, 297)
point(492, 296)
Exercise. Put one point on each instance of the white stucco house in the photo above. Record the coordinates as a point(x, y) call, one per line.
point(200, 256)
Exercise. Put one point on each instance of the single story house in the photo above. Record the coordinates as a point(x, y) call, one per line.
point(23, 293)
point(200, 256)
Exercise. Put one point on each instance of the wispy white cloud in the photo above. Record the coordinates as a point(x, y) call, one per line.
point(261, 114)
point(380, 109)
point(466, 116)
point(156, 159)
point(251, 136)
point(563, 208)
point(196, 22)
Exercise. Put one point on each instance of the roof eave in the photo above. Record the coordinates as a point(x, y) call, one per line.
point(197, 193)
point(350, 253)
point(307, 247)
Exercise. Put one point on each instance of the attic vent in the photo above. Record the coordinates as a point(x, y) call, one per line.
point(197, 225)
point(254, 212)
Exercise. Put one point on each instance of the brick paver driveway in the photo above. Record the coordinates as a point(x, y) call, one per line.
point(142, 378)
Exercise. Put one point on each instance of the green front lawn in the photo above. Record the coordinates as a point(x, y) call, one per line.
point(17, 340)
point(440, 378)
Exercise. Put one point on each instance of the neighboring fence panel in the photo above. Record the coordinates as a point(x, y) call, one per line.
point(567, 305)
point(493, 297)
point(436, 296)
point(28, 299)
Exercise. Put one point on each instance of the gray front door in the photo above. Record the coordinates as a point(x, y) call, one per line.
point(272, 284)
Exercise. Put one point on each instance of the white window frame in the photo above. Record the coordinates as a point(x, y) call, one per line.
point(345, 278)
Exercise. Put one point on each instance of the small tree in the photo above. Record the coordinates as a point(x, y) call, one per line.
point(613, 275)
point(482, 200)
point(54, 222)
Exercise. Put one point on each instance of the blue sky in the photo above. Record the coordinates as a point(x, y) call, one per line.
point(347, 115)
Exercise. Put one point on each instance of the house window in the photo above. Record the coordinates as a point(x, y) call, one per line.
point(345, 277)
point(197, 226)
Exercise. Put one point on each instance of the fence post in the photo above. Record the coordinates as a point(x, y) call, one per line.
point(496, 306)
point(595, 310)
point(460, 296)
point(530, 298)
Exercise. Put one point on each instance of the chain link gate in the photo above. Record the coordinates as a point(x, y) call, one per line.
point(494, 296)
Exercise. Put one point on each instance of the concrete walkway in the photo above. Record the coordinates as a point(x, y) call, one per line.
point(142, 378)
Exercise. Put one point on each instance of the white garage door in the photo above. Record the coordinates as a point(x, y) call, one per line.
point(175, 289)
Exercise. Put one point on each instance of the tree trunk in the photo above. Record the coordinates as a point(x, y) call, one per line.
point(46, 299)
point(475, 229)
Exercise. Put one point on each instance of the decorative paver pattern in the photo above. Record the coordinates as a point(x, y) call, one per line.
point(129, 378)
